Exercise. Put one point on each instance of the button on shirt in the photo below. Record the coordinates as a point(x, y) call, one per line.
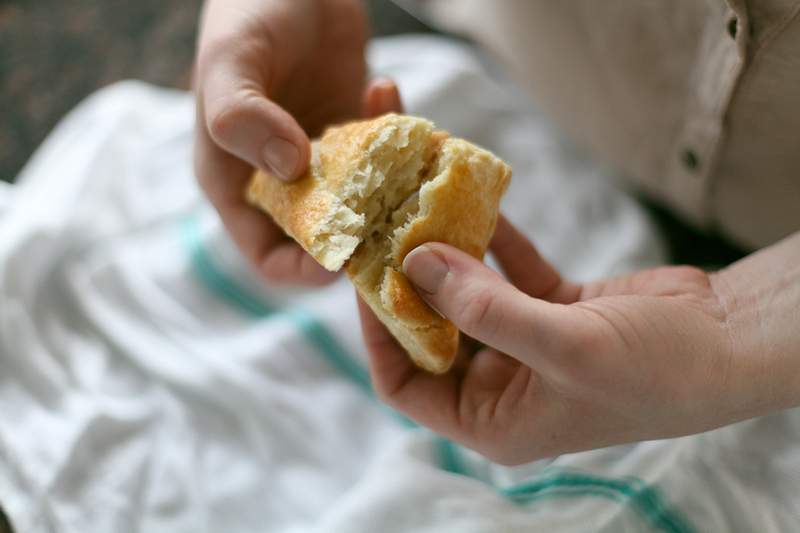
point(696, 102)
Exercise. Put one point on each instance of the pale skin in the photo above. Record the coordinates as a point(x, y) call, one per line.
point(272, 73)
point(549, 366)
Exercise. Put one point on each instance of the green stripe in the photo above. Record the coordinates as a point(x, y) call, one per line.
point(450, 459)
point(325, 343)
point(313, 330)
point(646, 500)
point(555, 482)
point(560, 482)
point(572, 492)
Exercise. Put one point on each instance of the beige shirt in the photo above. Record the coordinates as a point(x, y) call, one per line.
point(697, 102)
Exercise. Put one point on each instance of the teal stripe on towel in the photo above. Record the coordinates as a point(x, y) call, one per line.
point(313, 330)
point(326, 343)
point(646, 500)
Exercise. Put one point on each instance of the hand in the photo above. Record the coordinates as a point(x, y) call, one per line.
point(567, 367)
point(269, 74)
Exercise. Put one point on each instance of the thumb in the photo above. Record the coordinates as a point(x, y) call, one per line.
point(484, 305)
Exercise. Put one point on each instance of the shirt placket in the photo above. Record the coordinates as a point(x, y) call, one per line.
point(721, 60)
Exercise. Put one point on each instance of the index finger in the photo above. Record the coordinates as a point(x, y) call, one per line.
point(235, 70)
point(224, 179)
point(526, 268)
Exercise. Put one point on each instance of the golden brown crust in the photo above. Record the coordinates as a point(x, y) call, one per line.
point(308, 209)
point(297, 207)
point(457, 205)
point(437, 336)
point(460, 205)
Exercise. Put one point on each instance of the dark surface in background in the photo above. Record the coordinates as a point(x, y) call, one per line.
point(53, 53)
point(687, 246)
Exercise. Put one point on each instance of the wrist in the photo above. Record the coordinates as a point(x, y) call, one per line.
point(760, 300)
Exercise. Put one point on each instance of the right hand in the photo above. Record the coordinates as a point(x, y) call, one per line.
point(558, 367)
point(269, 74)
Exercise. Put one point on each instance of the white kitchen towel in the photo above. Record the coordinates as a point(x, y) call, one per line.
point(149, 383)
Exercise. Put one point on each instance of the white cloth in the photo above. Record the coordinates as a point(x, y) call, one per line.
point(150, 384)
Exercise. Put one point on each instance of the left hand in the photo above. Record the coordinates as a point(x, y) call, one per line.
point(567, 367)
point(269, 74)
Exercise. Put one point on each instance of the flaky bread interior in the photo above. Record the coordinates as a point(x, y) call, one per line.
point(457, 203)
point(358, 171)
point(375, 191)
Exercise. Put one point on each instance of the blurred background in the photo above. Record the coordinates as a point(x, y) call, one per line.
point(53, 53)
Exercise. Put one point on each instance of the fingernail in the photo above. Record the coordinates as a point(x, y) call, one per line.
point(426, 269)
point(281, 157)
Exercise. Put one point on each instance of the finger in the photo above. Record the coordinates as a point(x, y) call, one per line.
point(487, 380)
point(484, 305)
point(526, 269)
point(224, 178)
point(467, 348)
point(288, 263)
point(490, 370)
point(460, 406)
point(380, 97)
point(244, 122)
point(432, 400)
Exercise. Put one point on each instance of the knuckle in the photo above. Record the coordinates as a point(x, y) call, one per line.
point(224, 114)
point(584, 341)
point(479, 312)
point(692, 275)
point(684, 275)
point(216, 49)
point(686, 272)
point(579, 353)
point(239, 43)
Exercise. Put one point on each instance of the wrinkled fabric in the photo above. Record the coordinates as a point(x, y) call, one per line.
point(151, 384)
point(697, 103)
